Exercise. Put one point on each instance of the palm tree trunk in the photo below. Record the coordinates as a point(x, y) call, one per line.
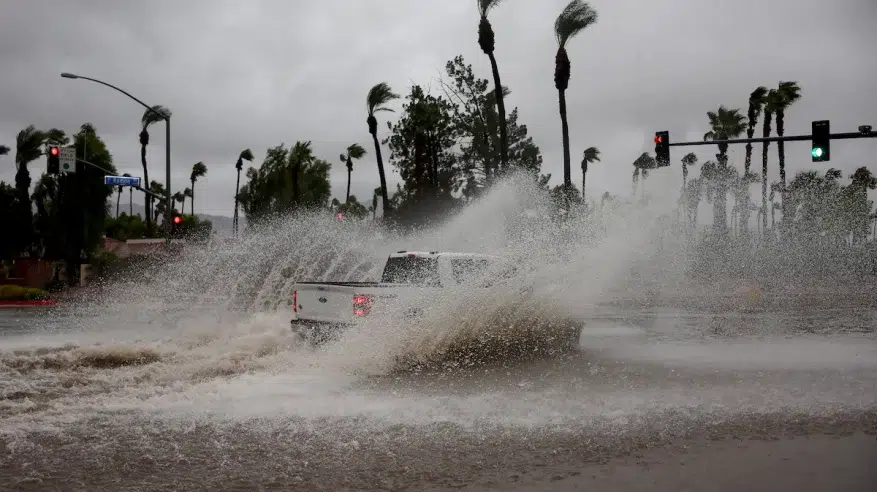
point(146, 198)
point(130, 201)
point(349, 172)
point(781, 149)
point(584, 182)
point(237, 187)
point(193, 198)
point(118, 199)
point(500, 108)
point(567, 171)
point(384, 196)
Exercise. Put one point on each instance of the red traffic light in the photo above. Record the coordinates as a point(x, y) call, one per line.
point(340, 216)
point(178, 219)
point(54, 150)
point(658, 139)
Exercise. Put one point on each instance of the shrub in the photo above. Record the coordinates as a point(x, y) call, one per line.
point(17, 293)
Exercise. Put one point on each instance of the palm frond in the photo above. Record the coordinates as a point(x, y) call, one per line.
point(574, 18)
point(485, 6)
point(355, 151)
point(378, 96)
point(150, 117)
point(247, 155)
point(4, 150)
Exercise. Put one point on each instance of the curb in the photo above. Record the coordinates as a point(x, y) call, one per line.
point(18, 304)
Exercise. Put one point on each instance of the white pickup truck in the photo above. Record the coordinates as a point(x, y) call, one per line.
point(322, 309)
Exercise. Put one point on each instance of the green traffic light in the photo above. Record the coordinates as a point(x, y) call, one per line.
point(817, 152)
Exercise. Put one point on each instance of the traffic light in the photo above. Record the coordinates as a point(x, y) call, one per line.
point(176, 222)
point(662, 148)
point(53, 157)
point(821, 135)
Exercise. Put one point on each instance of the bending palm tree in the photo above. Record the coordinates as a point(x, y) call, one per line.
point(119, 195)
point(726, 124)
point(355, 151)
point(770, 104)
point(487, 43)
point(688, 160)
point(378, 96)
point(788, 93)
point(575, 18)
point(28, 145)
point(180, 197)
point(198, 170)
point(756, 105)
point(591, 154)
point(149, 117)
point(246, 155)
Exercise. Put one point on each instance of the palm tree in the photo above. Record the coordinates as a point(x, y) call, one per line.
point(245, 155)
point(199, 170)
point(788, 93)
point(28, 147)
point(688, 160)
point(771, 101)
point(378, 97)
point(158, 189)
point(119, 195)
point(187, 193)
point(355, 151)
point(756, 105)
point(591, 154)
point(180, 197)
point(300, 155)
point(641, 167)
point(576, 16)
point(725, 124)
point(487, 42)
point(149, 117)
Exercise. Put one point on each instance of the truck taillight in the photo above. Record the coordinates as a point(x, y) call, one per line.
point(362, 304)
point(295, 301)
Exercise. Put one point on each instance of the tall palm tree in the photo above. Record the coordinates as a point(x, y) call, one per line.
point(591, 154)
point(148, 118)
point(158, 189)
point(119, 195)
point(487, 42)
point(187, 193)
point(788, 93)
point(771, 101)
point(245, 155)
point(725, 124)
point(355, 151)
point(199, 170)
point(28, 147)
point(181, 198)
point(756, 105)
point(641, 167)
point(299, 156)
point(688, 160)
point(378, 97)
point(574, 18)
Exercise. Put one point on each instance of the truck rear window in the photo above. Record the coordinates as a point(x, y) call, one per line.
point(412, 270)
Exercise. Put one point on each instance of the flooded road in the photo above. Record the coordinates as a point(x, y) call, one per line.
point(228, 401)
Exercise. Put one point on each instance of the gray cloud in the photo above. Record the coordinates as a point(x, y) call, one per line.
point(257, 73)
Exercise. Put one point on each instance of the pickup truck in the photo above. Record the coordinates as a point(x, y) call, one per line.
point(322, 309)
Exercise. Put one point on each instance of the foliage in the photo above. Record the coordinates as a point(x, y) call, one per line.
point(269, 191)
point(125, 227)
point(18, 293)
point(352, 209)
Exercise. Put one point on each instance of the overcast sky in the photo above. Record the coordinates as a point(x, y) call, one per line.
point(252, 73)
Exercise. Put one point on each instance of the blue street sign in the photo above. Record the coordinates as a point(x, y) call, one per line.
point(121, 181)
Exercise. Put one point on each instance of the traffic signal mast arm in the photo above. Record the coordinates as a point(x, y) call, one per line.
point(784, 138)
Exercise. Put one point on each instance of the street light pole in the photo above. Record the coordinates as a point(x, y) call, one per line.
point(167, 120)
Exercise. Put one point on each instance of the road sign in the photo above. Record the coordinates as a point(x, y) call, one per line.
point(122, 181)
point(68, 159)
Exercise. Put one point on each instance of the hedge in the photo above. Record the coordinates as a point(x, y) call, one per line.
point(17, 293)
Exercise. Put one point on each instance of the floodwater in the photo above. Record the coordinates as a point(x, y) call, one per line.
point(218, 400)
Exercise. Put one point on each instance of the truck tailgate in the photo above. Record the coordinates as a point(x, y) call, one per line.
point(324, 303)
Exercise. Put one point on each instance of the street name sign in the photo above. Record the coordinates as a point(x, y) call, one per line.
point(122, 181)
